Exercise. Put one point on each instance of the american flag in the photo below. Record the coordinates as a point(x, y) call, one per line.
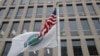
point(51, 21)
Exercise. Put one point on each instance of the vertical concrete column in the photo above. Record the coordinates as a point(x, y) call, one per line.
point(20, 27)
point(55, 51)
point(70, 47)
point(15, 11)
point(67, 28)
point(96, 8)
point(8, 29)
point(2, 2)
point(24, 12)
point(2, 45)
point(31, 25)
point(41, 52)
point(84, 47)
point(34, 12)
point(97, 43)
point(86, 9)
point(92, 27)
point(75, 8)
point(79, 26)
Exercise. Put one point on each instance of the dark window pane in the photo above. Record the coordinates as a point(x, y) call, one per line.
point(70, 10)
point(73, 27)
point(31, 1)
point(63, 48)
point(77, 48)
point(13, 30)
point(3, 29)
point(86, 27)
point(35, 53)
point(39, 12)
point(96, 22)
point(62, 28)
point(6, 2)
point(49, 10)
point(20, 12)
point(91, 9)
point(61, 11)
point(91, 47)
point(10, 13)
point(80, 10)
point(1, 12)
point(6, 48)
point(15, 2)
point(29, 12)
point(21, 54)
point(26, 26)
point(48, 52)
point(37, 26)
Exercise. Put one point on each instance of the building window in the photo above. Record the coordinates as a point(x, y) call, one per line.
point(78, 0)
point(98, 5)
point(23, 2)
point(77, 48)
point(61, 11)
point(87, 0)
point(62, 28)
point(39, 12)
point(26, 26)
point(1, 11)
point(29, 12)
point(70, 10)
point(48, 52)
point(96, 22)
point(34, 53)
point(19, 13)
point(3, 29)
point(15, 2)
point(49, 10)
point(60, 1)
point(91, 47)
point(10, 13)
point(37, 26)
point(91, 9)
point(68, 1)
point(6, 48)
point(63, 48)
point(80, 10)
point(21, 54)
point(31, 2)
point(6, 2)
point(13, 29)
point(49, 1)
point(40, 1)
point(85, 26)
point(73, 27)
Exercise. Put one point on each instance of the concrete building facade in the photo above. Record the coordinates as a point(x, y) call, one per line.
point(79, 25)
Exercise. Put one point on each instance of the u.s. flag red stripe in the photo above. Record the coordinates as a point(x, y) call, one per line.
point(51, 21)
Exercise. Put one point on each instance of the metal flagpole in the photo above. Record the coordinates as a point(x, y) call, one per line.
point(58, 29)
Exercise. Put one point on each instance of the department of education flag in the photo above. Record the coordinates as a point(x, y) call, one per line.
point(32, 41)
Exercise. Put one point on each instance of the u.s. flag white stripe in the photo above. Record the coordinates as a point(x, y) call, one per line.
point(48, 24)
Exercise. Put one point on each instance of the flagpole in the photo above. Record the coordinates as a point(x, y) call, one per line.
point(58, 29)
